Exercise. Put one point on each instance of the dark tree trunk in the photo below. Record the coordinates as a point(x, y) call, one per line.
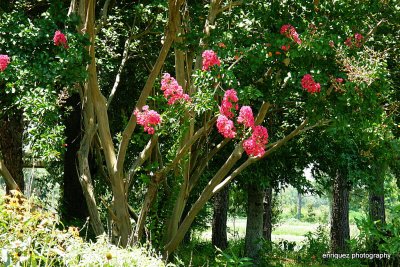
point(299, 204)
point(220, 217)
point(11, 130)
point(377, 204)
point(254, 227)
point(267, 218)
point(74, 203)
point(340, 229)
point(377, 197)
point(377, 207)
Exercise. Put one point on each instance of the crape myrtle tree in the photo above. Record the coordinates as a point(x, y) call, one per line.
point(288, 60)
point(194, 98)
point(37, 72)
point(298, 76)
point(345, 150)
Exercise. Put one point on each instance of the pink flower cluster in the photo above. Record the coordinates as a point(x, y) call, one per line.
point(309, 84)
point(60, 39)
point(172, 90)
point(246, 117)
point(225, 127)
point(210, 59)
point(148, 119)
point(4, 61)
point(228, 102)
point(358, 40)
point(255, 145)
point(290, 32)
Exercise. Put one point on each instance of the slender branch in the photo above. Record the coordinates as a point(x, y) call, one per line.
point(266, 75)
point(133, 214)
point(284, 140)
point(10, 182)
point(130, 127)
point(125, 56)
point(185, 148)
point(251, 160)
point(262, 112)
point(229, 6)
point(373, 30)
point(104, 15)
point(143, 156)
point(239, 58)
point(200, 167)
point(72, 7)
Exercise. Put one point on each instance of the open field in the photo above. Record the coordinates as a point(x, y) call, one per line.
point(291, 230)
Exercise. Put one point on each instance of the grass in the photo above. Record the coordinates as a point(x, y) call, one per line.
point(291, 230)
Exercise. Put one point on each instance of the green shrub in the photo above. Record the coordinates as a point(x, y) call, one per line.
point(32, 236)
point(315, 245)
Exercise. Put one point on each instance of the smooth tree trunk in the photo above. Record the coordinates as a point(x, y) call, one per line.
point(254, 226)
point(220, 218)
point(74, 203)
point(11, 130)
point(340, 229)
point(267, 218)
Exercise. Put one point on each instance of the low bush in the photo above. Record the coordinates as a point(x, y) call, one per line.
point(32, 236)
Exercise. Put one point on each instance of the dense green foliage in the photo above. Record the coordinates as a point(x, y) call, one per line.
point(350, 49)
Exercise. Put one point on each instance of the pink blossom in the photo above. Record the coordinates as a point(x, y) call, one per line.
point(225, 127)
point(339, 80)
point(348, 42)
point(290, 32)
point(255, 145)
point(60, 39)
point(285, 47)
point(285, 28)
point(260, 134)
point(230, 98)
point(331, 43)
point(252, 148)
point(147, 118)
point(210, 59)
point(358, 36)
point(358, 40)
point(309, 84)
point(4, 61)
point(246, 117)
point(172, 90)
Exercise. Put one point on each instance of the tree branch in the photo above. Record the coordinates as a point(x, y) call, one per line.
point(10, 182)
point(185, 148)
point(229, 6)
point(125, 55)
point(174, 7)
point(373, 30)
point(143, 156)
point(104, 15)
point(252, 160)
